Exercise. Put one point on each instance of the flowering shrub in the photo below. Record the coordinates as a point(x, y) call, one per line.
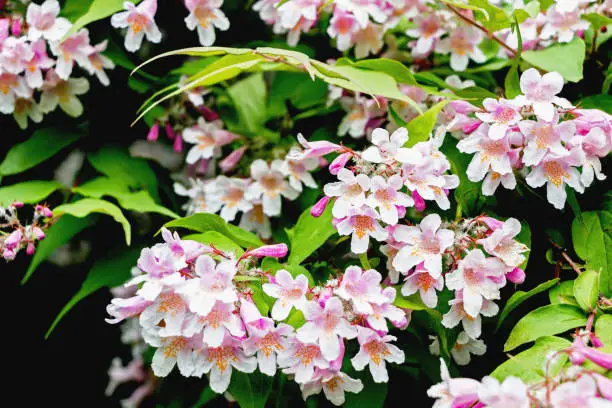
point(326, 183)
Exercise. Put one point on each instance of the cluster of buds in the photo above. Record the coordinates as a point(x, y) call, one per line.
point(538, 134)
point(14, 236)
point(27, 69)
point(436, 27)
point(198, 306)
point(139, 21)
point(574, 386)
point(384, 181)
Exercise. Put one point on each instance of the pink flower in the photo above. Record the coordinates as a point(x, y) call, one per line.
point(298, 172)
point(334, 384)
point(168, 307)
point(501, 114)
point(579, 352)
point(425, 243)
point(375, 350)
point(540, 93)
point(229, 194)
point(314, 149)
point(555, 173)
point(318, 209)
point(462, 44)
point(464, 347)
point(219, 361)
point(471, 323)
point(361, 223)
point(350, 191)
point(38, 62)
point(387, 148)
point(544, 138)
point(422, 281)
point(360, 111)
point(362, 288)
point(139, 21)
point(511, 393)
point(479, 278)
point(386, 310)
point(232, 160)
point(213, 283)
point(289, 292)
point(207, 138)
point(301, 360)
point(118, 374)
point(454, 392)
point(385, 196)
point(220, 323)
point(11, 88)
point(369, 40)
point(43, 21)
point(205, 15)
point(98, 62)
point(74, 48)
point(342, 26)
point(326, 326)
point(595, 144)
point(269, 185)
point(273, 251)
point(14, 55)
point(429, 30)
point(502, 243)
point(564, 24)
point(121, 309)
point(581, 393)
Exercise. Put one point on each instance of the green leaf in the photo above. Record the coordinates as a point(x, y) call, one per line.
point(219, 240)
point(520, 296)
point(57, 235)
point(597, 20)
point(250, 390)
point(110, 271)
point(206, 396)
point(563, 293)
point(97, 10)
point(212, 222)
point(545, 321)
point(393, 68)
point(298, 88)
point(592, 240)
point(42, 145)
point(117, 164)
point(249, 97)
point(86, 206)
point(412, 302)
point(602, 102)
point(566, 59)
point(586, 290)
point(603, 328)
point(492, 17)
point(529, 365)
point(420, 128)
point(308, 234)
point(29, 192)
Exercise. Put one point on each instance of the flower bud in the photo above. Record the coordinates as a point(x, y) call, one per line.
point(169, 131)
point(30, 249)
point(419, 202)
point(178, 143)
point(13, 240)
point(319, 207)
point(153, 133)
point(209, 114)
point(17, 204)
point(516, 275)
point(273, 251)
point(232, 159)
point(16, 26)
point(339, 163)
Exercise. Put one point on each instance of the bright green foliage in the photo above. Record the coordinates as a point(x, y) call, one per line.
point(29, 192)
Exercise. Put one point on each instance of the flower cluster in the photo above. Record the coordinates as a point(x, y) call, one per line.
point(386, 178)
point(537, 133)
point(26, 69)
point(576, 385)
point(434, 27)
point(197, 306)
point(15, 236)
point(139, 21)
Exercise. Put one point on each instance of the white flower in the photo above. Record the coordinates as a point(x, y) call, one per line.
point(43, 21)
point(11, 87)
point(502, 243)
point(170, 308)
point(298, 170)
point(362, 288)
point(462, 44)
point(57, 91)
point(350, 191)
point(140, 22)
point(269, 185)
point(216, 325)
point(375, 350)
point(540, 93)
point(171, 351)
point(302, 359)
point(326, 326)
point(421, 280)
point(205, 15)
point(555, 173)
point(425, 243)
point(471, 323)
point(334, 385)
point(256, 221)
point(362, 224)
point(385, 196)
point(465, 346)
point(512, 393)
point(229, 194)
point(388, 148)
point(289, 292)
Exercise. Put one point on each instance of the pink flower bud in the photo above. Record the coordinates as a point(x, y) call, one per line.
point(491, 222)
point(516, 275)
point(579, 352)
point(209, 114)
point(43, 210)
point(339, 163)
point(319, 207)
point(169, 131)
point(30, 249)
point(16, 26)
point(153, 133)
point(314, 149)
point(419, 202)
point(17, 204)
point(8, 254)
point(232, 159)
point(322, 162)
point(595, 340)
point(273, 251)
point(13, 240)
point(401, 211)
point(178, 144)
point(470, 127)
point(223, 137)
point(38, 234)
point(604, 385)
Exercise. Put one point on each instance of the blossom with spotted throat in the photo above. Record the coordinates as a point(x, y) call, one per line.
point(361, 224)
point(289, 293)
point(140, 23)
point(375, 350)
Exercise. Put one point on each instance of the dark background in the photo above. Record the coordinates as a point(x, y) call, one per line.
point(69, 369)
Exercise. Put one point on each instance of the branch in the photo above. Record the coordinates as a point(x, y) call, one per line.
point(566, 256)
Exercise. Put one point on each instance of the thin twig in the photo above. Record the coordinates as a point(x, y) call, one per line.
point(566, 257)
point(481, 28)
